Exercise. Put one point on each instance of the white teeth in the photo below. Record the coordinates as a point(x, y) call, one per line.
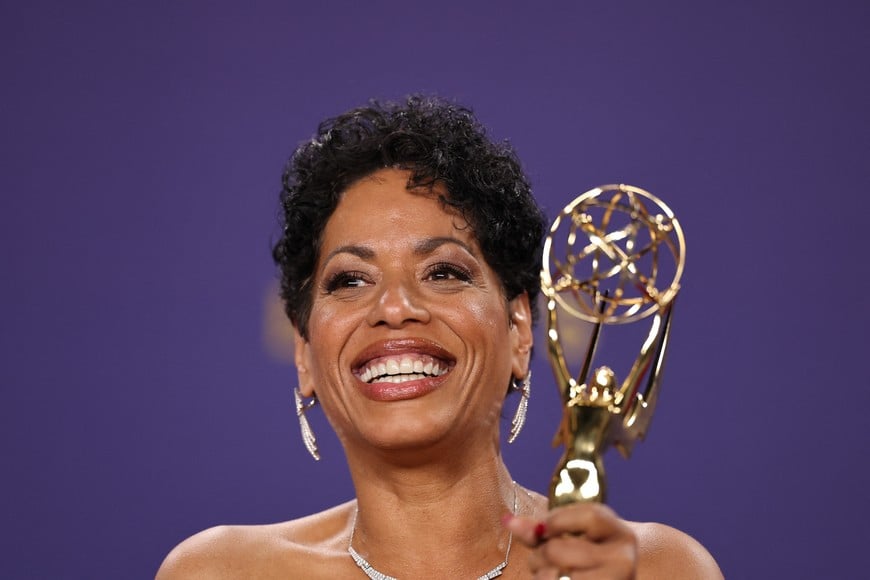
point(395, 370)
point(400, 378)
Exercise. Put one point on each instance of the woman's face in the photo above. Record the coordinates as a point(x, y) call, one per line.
point(411, 339)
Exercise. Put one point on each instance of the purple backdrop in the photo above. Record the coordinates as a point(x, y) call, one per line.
point(142, 145)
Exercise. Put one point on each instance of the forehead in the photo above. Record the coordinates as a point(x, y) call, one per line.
point(381, 207)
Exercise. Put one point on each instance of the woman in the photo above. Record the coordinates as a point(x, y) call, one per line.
point(410, 261)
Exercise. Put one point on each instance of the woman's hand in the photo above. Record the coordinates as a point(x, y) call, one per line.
point(584, 540)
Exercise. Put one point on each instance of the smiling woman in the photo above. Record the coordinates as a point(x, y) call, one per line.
point(409, 261)
point(411, 287)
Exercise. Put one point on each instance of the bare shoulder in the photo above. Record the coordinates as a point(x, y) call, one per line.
point(279, 550)
point(666, 552)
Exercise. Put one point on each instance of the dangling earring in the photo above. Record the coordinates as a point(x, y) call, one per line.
point(307, 434)
point(520, 416)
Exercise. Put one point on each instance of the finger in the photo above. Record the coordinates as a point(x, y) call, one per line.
point(527, 530)
point(596, 521)
point(564, 553)
point(555, 574)
point(552, 574)
point(580, 554)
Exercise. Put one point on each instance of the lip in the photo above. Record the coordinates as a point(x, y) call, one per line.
point(385, 391)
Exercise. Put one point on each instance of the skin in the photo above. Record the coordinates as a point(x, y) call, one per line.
point(399, 276)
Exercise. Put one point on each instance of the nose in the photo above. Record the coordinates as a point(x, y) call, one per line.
point(397, 303)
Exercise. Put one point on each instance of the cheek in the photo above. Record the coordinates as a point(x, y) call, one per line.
point(327, 323)
point(484, 318)
point(492, 313)
point(328, 332)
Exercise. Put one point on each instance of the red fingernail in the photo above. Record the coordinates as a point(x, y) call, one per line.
point(540, 531)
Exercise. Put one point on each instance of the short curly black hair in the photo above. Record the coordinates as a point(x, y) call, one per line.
point(439, 142)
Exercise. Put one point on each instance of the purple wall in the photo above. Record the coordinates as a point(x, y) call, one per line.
point(141, 152)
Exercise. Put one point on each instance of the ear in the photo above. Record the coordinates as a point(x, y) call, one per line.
point(520, 314)
point(302, 356)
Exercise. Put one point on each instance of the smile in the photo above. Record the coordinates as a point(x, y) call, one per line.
point(403, 368)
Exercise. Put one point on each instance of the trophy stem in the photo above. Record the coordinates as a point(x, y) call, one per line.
point(579, 476)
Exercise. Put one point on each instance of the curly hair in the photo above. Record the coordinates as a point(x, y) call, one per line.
point(438, 142)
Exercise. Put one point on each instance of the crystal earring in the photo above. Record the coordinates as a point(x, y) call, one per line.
point(520, 416)
point(307, 434)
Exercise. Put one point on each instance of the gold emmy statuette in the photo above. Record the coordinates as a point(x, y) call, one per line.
point(614, 256)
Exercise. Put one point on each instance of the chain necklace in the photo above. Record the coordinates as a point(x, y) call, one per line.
point(374, 574)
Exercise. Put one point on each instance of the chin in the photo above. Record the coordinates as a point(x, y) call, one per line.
point(408, 433)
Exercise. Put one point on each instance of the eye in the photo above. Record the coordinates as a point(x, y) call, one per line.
point(445, 271)
point(345, 280)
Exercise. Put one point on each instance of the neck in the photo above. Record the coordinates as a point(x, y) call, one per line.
point(442, 517)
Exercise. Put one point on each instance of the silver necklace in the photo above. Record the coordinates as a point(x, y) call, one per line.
point(375, 574)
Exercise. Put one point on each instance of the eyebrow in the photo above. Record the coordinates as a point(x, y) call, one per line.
point(421, 248)
point(429, 245)
point(361, 252)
